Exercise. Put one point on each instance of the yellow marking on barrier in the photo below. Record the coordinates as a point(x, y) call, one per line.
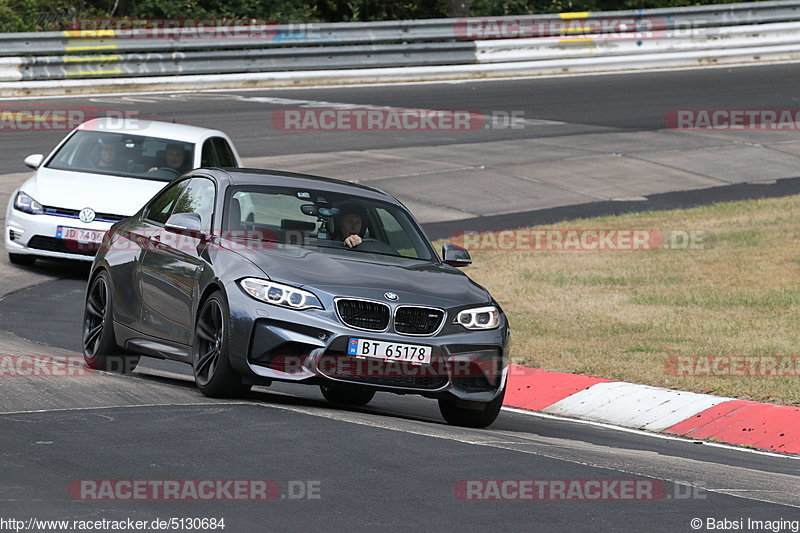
point(95, 72)
point(574, 15)
point(577, 40)
point(92, 59)
point(87, 48)
point(577, 30)
point(89, 34)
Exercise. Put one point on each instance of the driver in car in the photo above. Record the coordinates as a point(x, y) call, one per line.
point(174, 157)
point(349, 224)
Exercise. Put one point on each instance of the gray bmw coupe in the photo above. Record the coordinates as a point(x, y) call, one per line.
point(253, 276)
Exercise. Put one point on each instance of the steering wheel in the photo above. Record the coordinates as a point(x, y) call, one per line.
point(375, 245)
point(176, 172)
point(363, 242)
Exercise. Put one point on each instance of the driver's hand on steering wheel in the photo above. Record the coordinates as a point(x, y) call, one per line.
point(352, 241)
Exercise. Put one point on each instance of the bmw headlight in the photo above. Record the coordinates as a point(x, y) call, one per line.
point(479, 318)
point(280, 294)
point(26, 204)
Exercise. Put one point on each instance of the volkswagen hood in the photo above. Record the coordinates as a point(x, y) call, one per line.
point(102, 193)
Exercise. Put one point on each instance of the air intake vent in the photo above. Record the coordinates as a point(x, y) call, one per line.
point(51, 244)
point(417, 320)
point(372, 316)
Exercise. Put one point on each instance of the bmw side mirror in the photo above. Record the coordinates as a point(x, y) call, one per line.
point(455, 255)
point(186, 223)
point(34, 161)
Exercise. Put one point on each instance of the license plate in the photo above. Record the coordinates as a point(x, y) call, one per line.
point(89, 236)
point(412, 353)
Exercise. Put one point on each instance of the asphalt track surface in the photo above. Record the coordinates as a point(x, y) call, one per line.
point(557, 112)
point(633, 102)
point(394, 464)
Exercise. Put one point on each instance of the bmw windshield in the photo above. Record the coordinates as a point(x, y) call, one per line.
point(324, 220)
point(122, 154)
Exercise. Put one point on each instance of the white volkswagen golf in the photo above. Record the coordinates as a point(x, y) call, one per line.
point(103, 171)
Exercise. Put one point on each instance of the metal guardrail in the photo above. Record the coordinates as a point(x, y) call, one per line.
point(432, 30)
point(74, 55)
point(258, 60)
point(786, 34)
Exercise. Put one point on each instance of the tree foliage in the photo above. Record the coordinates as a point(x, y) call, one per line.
point(49, 15)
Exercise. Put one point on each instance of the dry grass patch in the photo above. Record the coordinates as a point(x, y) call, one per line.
point(621, 315)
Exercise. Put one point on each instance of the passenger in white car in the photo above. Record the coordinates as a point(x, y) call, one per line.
point(107, 156)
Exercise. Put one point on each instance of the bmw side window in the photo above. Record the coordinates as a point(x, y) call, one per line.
point(161, 207)
point(208, 158)
point(224, 153)
point(197, 197)
point(396, 235)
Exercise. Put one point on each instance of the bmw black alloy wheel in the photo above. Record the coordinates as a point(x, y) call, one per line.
point(100, 348)
point(95, 317)
point(210, 332)
point(213, 372)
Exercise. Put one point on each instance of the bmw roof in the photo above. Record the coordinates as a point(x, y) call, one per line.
point(277, 178)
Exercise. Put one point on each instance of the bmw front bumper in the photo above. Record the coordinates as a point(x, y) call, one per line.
point(273, 343)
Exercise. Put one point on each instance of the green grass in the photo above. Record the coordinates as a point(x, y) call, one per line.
point(621, 315)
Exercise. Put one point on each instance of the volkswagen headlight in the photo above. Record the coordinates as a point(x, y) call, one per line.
point(23, 202)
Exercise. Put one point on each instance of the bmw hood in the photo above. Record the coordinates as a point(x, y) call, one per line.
point(365, 275)
point(104, 194)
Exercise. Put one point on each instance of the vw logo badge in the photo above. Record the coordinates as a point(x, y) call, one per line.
point(390, 296)
point(86, 215)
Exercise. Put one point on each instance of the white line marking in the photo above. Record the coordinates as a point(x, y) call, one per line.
point(466, 436)
point(452, 433)
point(99, 408)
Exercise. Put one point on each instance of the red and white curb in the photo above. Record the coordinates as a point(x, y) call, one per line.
point(692, 415)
